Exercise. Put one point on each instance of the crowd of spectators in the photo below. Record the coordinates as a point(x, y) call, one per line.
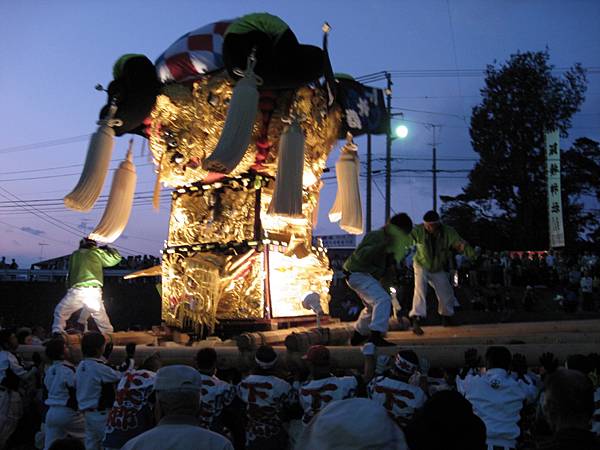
point(136, 262)
point(500, 401)
point(499, 282)
point(574, 279)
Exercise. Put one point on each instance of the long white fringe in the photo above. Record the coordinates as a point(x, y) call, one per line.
point(287, 194)
point(347, 207)
point(89, 186)
point(237, 131)
point(118, 209)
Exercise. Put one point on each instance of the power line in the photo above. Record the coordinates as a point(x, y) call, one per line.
point(32, 210)
point(61, 198)
point(45, 144)
point(44, 177)
point(59, 206)
point(404, 158)
point(69, 166)
point(467, 73)
point(49, 219)
point(4, 210)
point(382, 196)
point(59, 202)
point(463, 118)
point(25, 232)
point(54, 209)
point(448, 73)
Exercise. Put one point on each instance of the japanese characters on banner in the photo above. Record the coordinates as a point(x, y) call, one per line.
point(555, 216)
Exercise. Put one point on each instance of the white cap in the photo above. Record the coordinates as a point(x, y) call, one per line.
point(177, 378)
point(356, 423)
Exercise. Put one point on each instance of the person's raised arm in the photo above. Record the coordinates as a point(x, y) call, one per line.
point(369, 353)
point(109, 256)
point(459, 244)
point(472, 361)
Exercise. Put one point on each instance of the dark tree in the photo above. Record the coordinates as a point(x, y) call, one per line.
point(504, 204)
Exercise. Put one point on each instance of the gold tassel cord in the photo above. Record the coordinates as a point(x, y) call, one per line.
point(156, 193)
point(347, 208)
point(287, 194)
point(118, 208)
point(237, 131)
point(88, 188)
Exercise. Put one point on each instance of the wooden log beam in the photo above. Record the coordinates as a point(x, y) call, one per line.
point(448, 356)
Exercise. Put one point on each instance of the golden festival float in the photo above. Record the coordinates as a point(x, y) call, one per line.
point(240, 128)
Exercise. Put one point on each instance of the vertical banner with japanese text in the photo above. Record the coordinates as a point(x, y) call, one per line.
point(555, 216)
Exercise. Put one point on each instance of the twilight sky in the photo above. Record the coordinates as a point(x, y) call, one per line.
point(54, 52)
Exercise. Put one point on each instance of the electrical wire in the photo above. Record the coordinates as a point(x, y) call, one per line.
point(382, 196)
point(69, 166)
point(51, 220)
point(45, 144)
point(44, 177)
point(30, 234)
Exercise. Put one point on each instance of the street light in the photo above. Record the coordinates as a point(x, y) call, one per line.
point(401, 131)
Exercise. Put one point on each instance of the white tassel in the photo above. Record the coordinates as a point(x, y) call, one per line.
point(116, 215)
point(237, 131)
point(347, 208)
point(287, 194)
point(99, 153)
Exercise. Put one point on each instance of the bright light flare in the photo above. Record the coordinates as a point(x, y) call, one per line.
point(401, 131)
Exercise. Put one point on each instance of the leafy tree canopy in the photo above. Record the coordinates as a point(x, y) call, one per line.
point(504, 205)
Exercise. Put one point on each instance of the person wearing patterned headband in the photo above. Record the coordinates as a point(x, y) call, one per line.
point(394, 391)
point(322, 386)
point(266, 397)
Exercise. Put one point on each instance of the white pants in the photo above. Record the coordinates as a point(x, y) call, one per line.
point(77, 298)
point(11, 411)
point(443, 290)
point(95, 427)
point(375, 315)
point(62, 421)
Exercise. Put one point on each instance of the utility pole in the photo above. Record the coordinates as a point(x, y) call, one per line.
point(434, 168)
point(369, 175)
point(42, 245)
point(388, 149)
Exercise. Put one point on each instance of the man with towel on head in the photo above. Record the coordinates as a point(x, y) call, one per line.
point(379, 252)
point(435, 243)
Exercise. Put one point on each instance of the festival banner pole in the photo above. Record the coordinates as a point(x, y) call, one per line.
point(555, 216)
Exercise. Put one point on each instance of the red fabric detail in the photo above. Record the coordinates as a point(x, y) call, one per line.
point(212, 177)
point(180, 66)
point(200, 42)
point(266, 105)
point(220, 27)
point(147, 122)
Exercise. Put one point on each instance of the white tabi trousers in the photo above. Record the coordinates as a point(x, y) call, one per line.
point(440, 282)
point(378, 303)
point(95, 427)
point(62, 421)
point(77, 298)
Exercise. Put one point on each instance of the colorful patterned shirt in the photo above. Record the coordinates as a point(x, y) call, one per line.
point(400, 399)
point(266, 397)
point(314, 395)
